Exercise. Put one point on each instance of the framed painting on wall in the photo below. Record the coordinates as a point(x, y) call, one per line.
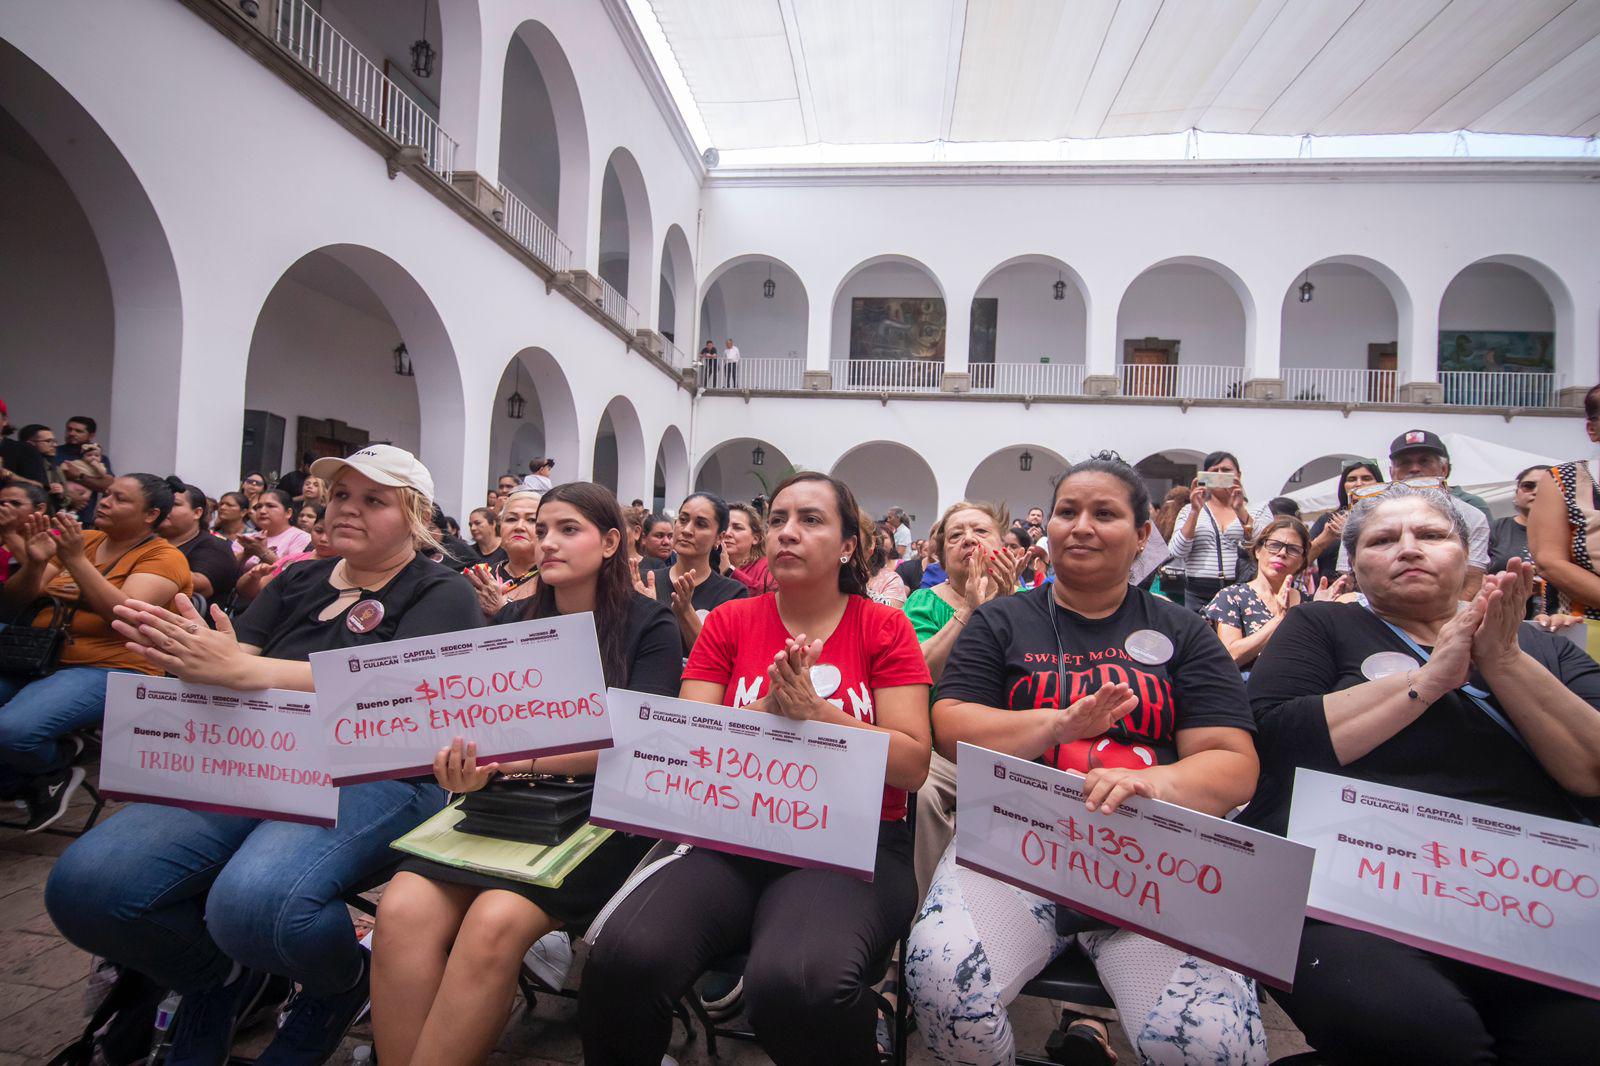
point(897, 327)
point(1490, 350)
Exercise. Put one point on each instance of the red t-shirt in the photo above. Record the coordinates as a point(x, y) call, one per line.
point(874, 647)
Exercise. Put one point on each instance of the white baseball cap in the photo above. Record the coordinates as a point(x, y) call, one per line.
point(383, 463)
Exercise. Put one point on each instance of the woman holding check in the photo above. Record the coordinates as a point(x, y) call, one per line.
point(208, 904)
point(450, 942)
point(1416, 689)
point(817, 649)
point(1094, 675)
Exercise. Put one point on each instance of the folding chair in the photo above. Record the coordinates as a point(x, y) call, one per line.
point(1070, 978)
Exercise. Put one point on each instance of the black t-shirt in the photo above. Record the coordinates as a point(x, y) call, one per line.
point(493, 559)
point(910, 572)
point(1328, 561)
point(423, 599)
point(458, 554)
point(1006, 657)
point(1453, 749)
point(710, 594)
point(212, 557)
point(25, 460)
point(1508, 539)
point(655, 650)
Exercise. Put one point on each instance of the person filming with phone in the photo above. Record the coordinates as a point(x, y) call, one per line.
point(1210, 529)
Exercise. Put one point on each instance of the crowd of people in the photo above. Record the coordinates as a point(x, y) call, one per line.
point(1261, 632)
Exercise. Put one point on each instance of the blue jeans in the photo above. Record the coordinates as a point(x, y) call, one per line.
point(181, 895)
point(33, 714)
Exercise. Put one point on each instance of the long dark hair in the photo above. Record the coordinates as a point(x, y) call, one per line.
point(853, 575)
point(1344, 472)
point(613, 585)
point(1113, 464)
point(157, 495)
point(719, 507)
point(1214, 458)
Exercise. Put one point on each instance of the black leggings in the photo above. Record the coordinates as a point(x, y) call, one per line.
point(1361, 998)
point(813, 936)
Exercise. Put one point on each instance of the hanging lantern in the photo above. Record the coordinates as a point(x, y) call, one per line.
point(769, 288)
point(422, 53)
point(758, 455)
point(402, 361)
point(515, 404)
point(1025, 461)
point(1058, 291)
point(1306, 289)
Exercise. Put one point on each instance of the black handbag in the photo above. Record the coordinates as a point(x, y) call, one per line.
point(31, 652)
point(528, 808)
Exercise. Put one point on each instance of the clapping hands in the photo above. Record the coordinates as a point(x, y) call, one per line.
point(791, 692)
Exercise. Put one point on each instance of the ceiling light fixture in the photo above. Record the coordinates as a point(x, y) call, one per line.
point(769, 288)
point(1306, 288)
point(515, 404)
point(1025, 461)
point(422, 53)
point(402, 361)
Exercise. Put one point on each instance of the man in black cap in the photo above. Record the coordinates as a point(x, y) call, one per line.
point(1418, 455)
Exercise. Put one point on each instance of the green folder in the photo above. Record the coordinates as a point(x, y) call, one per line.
point(546, 865)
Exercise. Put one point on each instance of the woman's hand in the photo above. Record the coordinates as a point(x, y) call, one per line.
point(1327, 593)
point(1505, 597)
point(682, 594)
point(1106, 787)
point(69, 539)
point(1002, 566)
point(491, 597)
point(1093, 715)
point(254, 544)
point(645, 586)
point(1197, 494)
point(456, 767)
point(1552, 623)
point(181, 643)
point(792, 694)
point(1236, 500)
point(1451, 663)
point(38, 537)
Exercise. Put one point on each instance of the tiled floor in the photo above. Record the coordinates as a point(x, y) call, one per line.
point(42, 980)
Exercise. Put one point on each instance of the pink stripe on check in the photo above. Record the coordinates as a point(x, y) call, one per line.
point(218, 808)
point(732, 849)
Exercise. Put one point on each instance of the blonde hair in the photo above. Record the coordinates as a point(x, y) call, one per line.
point(417, 508)
point(997, 511)
point(758, 530)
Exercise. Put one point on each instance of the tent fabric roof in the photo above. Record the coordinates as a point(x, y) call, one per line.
point(1481, 467)
point(776, 73)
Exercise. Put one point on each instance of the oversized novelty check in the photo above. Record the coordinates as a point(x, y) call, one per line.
point(743, 782)
point(256, 754)
point(1226, 893)
point(519, 691)
point(1510, 892)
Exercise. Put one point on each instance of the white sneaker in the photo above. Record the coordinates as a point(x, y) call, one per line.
point(550, 959)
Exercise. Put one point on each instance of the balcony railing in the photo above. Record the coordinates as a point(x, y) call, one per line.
point(616, 306)
point(1028, 379)
point(338, 64)
point(782, 375)
point(1188, 381)
point(534, 233)
point(887, 375)
point(1498, 388)
point(1302, 384)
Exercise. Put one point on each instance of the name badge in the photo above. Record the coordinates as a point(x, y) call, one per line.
point(364, 616)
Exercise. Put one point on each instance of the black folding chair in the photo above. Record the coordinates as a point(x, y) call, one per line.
point(1070, 978)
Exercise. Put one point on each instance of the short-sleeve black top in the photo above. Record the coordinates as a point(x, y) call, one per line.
point(1006, 657)
point(213, 557)
point(1453, 749)
point(710, 594)
point(654, 650)
point(423, 599)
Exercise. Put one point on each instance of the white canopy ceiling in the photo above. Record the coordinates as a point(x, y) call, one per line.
point(1482, 467)
point(777, 73)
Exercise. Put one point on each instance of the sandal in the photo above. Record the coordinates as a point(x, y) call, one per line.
point(1081, 1041)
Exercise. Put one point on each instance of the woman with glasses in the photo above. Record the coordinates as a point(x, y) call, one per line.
point(251, 485)
point(1356, 474)
point(1247, 614)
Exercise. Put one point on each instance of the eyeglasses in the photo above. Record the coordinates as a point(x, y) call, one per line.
point(1278, 547)
point(1367, 492)
point(254, 481)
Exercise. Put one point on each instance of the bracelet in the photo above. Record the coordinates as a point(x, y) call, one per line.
point(1411, 685)
point(958, 618)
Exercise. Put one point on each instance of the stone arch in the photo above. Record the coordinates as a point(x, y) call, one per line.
point(729, 469)
point(1032, 326)
point(356, 382)
point(1179, 312)
point(999, 478)
point(676, 316)
point(1167, 468)
point(672, 463)
point(733, 303)
point(620, 465)
point(625, 224)
point(885, 474)
point(1490, 311)
point(139, 358)
point(1359, 318)
point(540, 97)
point(549, 425)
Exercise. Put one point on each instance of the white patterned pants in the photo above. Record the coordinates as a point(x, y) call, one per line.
point(978, 941)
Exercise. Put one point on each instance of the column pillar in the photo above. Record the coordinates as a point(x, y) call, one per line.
point(1103, 350)
point(819, 341)
point(957, 339)
point(470, 87)
point(1263, 377)
point(1577, 349)
point(1417, 354)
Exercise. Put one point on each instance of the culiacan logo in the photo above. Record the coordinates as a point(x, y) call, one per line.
point(1348, 795)
point(355, 665)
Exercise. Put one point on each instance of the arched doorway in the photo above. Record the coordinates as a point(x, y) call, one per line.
point(769, 322)
point(885, 474)
point(1165, 470)
point(619, 457)
point(1501, 320)
point(889, 322)
point(1184, 326)
point(544, 147)
point(1029, 329)
point(1340, 338)
point(742, 469)
point(1021, 477)
point(348, 350)
point(623, 259)
point(675, 305)
point(670, 482)
point(548, 425)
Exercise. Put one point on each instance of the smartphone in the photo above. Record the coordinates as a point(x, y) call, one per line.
point(1216, 479)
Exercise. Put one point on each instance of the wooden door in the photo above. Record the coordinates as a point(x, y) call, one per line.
point(1380, 388)
point(1148, 382)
